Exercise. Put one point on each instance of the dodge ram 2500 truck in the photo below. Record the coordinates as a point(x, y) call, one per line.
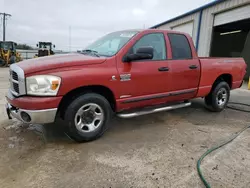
point(127, 73)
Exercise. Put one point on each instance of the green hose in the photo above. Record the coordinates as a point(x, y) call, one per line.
point(222, 144)
point(238, 109)
point(211, 150)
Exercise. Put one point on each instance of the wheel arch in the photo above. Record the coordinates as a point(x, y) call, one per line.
point(228, 78)
point(99, 89)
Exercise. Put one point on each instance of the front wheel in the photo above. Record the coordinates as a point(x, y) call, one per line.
point(12, 59)
point(2, 63)
point(218, 98)
point(88, 117)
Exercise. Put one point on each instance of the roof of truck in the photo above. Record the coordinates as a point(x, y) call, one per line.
point(150, 29)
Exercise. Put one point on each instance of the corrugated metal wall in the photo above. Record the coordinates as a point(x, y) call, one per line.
point(233, 15)
point(208, 22)
point(193, 17)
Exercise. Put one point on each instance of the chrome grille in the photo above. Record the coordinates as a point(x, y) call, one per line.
point(14, 76)
point(17, 81)
point(16, 87)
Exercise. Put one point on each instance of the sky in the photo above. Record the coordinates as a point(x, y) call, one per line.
point(72, 25)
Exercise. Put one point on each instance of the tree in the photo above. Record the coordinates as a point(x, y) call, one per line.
point(24, 47)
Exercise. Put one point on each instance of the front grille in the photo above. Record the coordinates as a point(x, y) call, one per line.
point(16, 87)
point(17, 80)
point(14, 82)
point(14, 76)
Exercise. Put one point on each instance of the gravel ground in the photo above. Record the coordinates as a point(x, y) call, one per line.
point(158, 150)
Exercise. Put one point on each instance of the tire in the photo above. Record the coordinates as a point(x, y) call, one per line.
point(12, 59)
point(2, 63)
point(218, 98)
point(81, 111)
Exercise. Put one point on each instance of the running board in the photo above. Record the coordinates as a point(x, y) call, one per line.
point(153, 110)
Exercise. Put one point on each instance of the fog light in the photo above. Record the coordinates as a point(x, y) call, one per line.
point(25, 117)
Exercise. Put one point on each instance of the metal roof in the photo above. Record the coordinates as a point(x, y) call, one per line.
point(215, 2)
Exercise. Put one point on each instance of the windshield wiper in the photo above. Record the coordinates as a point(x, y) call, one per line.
point(88, 51)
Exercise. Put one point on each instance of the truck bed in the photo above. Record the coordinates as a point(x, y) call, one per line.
point(213, 67)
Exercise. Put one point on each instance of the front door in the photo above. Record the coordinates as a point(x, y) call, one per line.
point(144, 82)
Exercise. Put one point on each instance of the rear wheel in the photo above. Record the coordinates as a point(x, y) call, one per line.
point(218, 98)
point(88, 117)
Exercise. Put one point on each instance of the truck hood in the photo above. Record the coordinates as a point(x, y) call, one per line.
point(58, 61)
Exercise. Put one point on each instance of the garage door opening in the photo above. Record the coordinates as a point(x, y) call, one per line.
point(232, 40)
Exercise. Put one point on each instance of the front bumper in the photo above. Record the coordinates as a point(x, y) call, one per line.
point(31, 116)
point(40, 110)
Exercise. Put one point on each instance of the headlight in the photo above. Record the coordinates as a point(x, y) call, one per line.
point(43, 85)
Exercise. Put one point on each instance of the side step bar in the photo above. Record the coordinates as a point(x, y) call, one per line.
point(153, 110)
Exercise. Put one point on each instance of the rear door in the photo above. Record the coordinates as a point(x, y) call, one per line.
point(184, 66)
point(144, 82)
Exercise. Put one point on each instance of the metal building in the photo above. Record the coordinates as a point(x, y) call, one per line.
point(220, 28)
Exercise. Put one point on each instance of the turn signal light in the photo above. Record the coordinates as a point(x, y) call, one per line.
point(54, 84)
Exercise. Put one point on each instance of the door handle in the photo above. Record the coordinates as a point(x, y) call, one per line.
point(193, 67)
point(163, 69)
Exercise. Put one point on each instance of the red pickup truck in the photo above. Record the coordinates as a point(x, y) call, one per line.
point(127, 73)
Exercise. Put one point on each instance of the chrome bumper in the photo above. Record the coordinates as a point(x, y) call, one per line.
point(36, 116)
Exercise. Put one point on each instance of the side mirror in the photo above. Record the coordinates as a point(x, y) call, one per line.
point(37, 45)
point(141, 53)
point(54, 46)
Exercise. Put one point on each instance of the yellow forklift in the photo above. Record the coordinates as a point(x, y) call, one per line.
point(8, 53)
point(45, 49)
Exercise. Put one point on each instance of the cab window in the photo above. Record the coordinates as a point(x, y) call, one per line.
point(180, 46)
point(154, 40)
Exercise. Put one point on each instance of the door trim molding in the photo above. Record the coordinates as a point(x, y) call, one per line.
point(176, 93)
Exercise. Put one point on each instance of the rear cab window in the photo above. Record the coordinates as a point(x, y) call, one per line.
point(180, 46)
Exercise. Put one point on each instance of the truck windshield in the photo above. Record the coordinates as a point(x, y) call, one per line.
point(111, 43)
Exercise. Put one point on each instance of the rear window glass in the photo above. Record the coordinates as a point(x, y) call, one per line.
point(180, 46)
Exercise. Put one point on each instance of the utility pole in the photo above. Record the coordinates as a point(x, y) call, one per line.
point(5, 15)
